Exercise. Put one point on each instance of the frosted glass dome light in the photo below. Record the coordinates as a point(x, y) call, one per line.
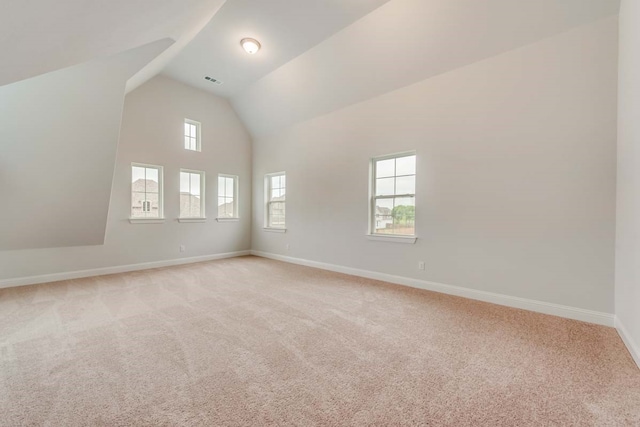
point(251, 46)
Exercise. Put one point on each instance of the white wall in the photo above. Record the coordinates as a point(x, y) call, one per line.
point(627, 288)
point(516, 174)
point(58, 140)
point(152, 133)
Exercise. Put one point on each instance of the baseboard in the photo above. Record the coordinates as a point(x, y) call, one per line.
point(633, 347)
point(568, 312)
point(56, 277)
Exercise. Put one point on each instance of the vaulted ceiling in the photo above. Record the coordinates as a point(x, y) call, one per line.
point(317, 56)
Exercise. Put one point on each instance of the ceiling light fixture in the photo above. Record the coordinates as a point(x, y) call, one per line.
point(251, 46)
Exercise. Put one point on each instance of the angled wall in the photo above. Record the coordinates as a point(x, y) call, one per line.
point(516, 175)
point(58, 139)
point(628, 210)
point(152, 133)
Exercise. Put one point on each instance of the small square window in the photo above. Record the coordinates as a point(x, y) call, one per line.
point(192, 135)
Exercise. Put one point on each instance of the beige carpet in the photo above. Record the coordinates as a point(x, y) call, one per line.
point(250, 341)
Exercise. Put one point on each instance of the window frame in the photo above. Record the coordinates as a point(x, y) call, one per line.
point(202, 217)
point(236, 185)
point(391, 237)
point(268, 202)
point(147, 220)
point(198, 126)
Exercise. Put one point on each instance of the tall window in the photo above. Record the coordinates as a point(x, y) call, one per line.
point(191, 194)
point(146, 191)
point(275, 195)
point(393, 199)
point(227, 196)
point(191, 135)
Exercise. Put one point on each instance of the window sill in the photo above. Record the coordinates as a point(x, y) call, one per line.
point(192, 219)
point(146, 220)
point(227, 219)
point(275, 230)
point(392, 239)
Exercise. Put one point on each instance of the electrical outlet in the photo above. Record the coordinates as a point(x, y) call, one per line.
point(421, 265)
point(286, 247)
point(182, 248)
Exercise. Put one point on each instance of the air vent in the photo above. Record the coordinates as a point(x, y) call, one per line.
point(212, 80)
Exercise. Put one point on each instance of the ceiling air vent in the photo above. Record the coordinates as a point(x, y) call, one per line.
point(212, 80)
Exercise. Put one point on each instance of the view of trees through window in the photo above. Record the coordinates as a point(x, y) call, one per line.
point(394, 186)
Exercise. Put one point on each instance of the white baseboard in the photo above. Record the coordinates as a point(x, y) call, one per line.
point(590, 316)
point(55, 277)
point(633, 347)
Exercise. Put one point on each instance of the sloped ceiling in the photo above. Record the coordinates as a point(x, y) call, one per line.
point(286, 28)
point(39, 36)
point(402, 42)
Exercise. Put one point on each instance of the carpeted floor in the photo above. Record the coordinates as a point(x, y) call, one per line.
point(250, 341)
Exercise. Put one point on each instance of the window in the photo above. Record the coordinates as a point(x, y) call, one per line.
point(191, 194)
point(191, 135)
point(227, 196)
point(146, 191)
point(275, 196)
point(393, 198)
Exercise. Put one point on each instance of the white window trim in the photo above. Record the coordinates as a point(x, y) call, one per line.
point(160, 219)
point(267, 199)
point(371, 235)
point(274, 230)
point(146, 220)
point(198, 126)
point(203, 198)
point(236, 202)
point(392, 238)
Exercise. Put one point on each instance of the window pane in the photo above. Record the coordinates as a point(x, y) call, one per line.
point(184, 182)
point(283, 181)
point(406, 165)
point(184, 205)
point(195, 207)
point(195, 184)
point(152, 175)
point(404, 214)
point(383, 221)
point(186, 129)
point(229, 187)
point(221, 186)
point(406, 185)
point(137, 199)
point(275, 181)
point(385, 168)
point(275, 195)
point(385, 187)
point(137, 173)
point(276, 214)
point(154, 211)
